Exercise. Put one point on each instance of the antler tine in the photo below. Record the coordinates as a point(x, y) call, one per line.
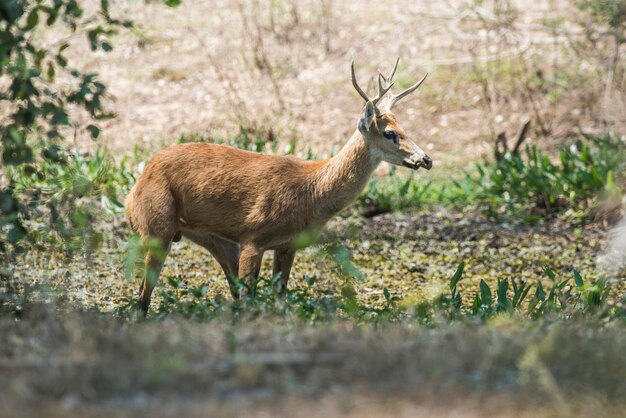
point(396, 97)
point(381, 90)
point(356, 85)
point(393, 72)
point(389, 78)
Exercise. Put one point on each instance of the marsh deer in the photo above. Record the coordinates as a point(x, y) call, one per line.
point(238, 204)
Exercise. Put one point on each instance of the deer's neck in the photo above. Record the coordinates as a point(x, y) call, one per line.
point(340, 180)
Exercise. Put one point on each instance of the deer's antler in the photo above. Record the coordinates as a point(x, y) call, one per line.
point(389, 78)
point(381, 89)
point(394, 98)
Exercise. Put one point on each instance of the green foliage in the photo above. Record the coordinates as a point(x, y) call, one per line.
point(536, 184)
point(530, 185)
point(566, 297)
point(309, 304)
point(36, 104)
point(245, 140)
point(456, 299)
point(38, 109)
point(563, 297)
point(611, 12)
point(136, 250)
point(393, 194)
point(397, 193)
point(172, 3)
point(62, 195)
point(41, 91)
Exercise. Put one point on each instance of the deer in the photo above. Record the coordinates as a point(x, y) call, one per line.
point(239, 204)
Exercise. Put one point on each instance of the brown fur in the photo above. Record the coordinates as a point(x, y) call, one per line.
point(239, 204)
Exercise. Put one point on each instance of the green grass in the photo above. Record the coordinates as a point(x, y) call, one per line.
point(586, 172)
point(558, 344)
point(564, 297)
point(398, 192)
point(530, 186)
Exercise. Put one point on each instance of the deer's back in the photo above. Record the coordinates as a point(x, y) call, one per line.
point(230, 192)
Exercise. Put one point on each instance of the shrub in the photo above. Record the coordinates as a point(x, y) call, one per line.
point(60, 197)
point(38, 109)
point(535, 184)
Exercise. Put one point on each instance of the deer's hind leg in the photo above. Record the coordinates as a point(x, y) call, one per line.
point(227, 255)
point(283, 260)
point(155, 257)
point(153, 212)
point(250, 258)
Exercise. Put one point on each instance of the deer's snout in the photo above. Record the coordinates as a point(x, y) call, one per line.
point(427, 162)
point(418, 160)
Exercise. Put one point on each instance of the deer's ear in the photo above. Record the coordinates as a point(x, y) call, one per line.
point(367, 118)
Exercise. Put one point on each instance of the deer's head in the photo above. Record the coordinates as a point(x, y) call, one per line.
point(378, 125)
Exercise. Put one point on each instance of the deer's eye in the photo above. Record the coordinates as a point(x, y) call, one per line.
point(391, 135)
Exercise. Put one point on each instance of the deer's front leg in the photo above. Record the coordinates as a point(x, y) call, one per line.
point(283, 260)
point(249, 266)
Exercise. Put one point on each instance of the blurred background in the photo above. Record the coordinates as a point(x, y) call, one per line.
point(281, 69)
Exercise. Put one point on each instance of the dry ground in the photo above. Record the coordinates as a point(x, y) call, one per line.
point(282, 68)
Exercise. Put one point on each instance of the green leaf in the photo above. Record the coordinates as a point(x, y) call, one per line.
point(51, 72)
point(309, 280)
point(52, 17)
point(540, 294)
point(8, 204)
point(16, 233)
point(386, 294)
point(549, 272)
point(52, 153)
point(60, 118)
point(405, 186)
point(32, 19)
point(93, 130)
point(503, 299)
point(174, 282)
point(578, 279)
point(17, 156)
point(15, 135)
point(133, 254)
point(172, 3)
point(61, 60)
point(92, 35)
point(11, 11)
point(476, 304)
point(104, 7)
point(458, 274)
point(485, 293)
